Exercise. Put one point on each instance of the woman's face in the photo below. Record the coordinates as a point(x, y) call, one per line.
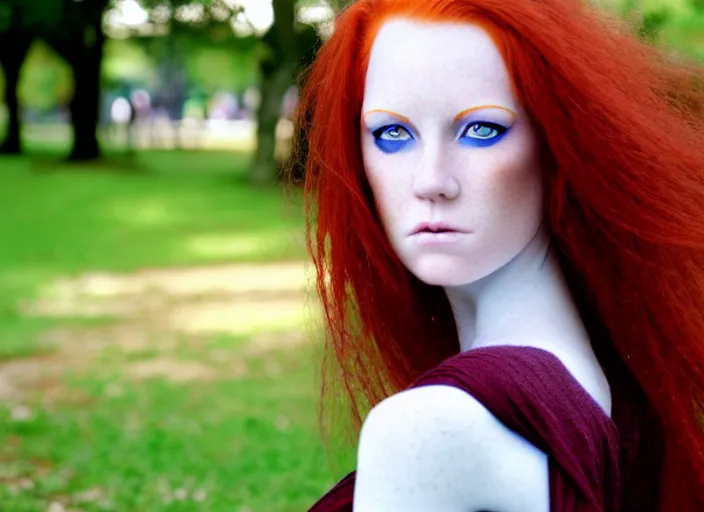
point(450, 156)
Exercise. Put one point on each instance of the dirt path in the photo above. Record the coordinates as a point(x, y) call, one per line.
point(161, 311)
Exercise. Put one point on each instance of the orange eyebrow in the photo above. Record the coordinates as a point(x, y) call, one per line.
point(402, 118)
point(482, 107)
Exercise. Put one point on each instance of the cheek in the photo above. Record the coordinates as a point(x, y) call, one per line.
point(377, 179)
point(514, 189)
point(386, 183)
point(519, 183)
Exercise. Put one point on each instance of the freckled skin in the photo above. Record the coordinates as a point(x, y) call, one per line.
point(492, 189)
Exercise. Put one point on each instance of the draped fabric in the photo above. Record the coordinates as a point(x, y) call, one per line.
point(596, 462)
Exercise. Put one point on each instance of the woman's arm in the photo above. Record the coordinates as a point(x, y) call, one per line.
point(437, 448)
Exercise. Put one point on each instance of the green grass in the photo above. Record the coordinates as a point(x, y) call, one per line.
point(162, 209)
point(180, 208)
point(246, 443)
point(95, 437)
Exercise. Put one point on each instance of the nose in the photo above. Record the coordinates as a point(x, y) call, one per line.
point(435, 181)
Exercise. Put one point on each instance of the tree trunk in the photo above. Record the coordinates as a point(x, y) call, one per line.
point(84, 107)
point(277, 70)
point(12, 58)
point(264, 169)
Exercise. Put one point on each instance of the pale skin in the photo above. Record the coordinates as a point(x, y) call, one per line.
point(446, 143)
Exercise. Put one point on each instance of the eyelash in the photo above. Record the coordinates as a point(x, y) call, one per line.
point(395, 145)
point(500, 130)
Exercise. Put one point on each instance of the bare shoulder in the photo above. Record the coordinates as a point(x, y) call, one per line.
point(438, 448)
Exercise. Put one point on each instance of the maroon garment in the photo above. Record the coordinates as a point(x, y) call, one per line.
point(596, 463)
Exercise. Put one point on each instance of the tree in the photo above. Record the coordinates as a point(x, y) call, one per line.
point(296, 167)
point(75, 31)
point(15, 39)
point(281, 50)
point(276, 74)
point(195, 45)
point(289, 47)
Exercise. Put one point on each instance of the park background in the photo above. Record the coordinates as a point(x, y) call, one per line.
point(158, 342)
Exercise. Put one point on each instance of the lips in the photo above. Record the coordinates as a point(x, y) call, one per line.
point(435, 227)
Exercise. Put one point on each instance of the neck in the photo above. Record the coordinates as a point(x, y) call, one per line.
point(527, 299)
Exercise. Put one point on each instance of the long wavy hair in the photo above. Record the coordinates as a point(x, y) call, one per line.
point(622, 127)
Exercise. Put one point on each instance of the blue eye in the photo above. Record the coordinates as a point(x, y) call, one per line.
point(483, 134)
point(393, 138)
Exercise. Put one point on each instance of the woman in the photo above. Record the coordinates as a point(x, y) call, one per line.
point(506, 202)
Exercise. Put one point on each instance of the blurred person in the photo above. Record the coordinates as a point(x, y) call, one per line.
point(121, 115)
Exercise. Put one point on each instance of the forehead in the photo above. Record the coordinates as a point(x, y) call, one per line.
point(435, 62)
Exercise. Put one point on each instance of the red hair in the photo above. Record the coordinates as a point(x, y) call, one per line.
point(623, 131)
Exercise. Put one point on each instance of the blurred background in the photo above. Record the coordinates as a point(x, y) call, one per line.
point(156, 348)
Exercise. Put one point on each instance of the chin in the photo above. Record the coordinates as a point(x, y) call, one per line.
point(445, 270)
